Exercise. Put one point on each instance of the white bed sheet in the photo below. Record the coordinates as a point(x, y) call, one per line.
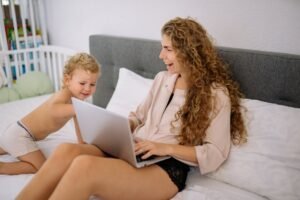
point(198, 187)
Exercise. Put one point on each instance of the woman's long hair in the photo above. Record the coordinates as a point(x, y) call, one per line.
point(206, 71)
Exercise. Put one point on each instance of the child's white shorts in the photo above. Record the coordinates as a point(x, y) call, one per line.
point(17, 141)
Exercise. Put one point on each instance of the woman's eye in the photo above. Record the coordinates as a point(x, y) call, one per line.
point(82, 83)
point(93, 85)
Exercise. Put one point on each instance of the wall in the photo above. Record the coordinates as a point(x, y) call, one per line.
point(270, 25)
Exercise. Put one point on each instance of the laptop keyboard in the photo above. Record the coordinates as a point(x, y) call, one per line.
point(139, 158)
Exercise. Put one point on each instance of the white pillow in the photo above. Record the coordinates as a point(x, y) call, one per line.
point(269, 163)
point(130, 91)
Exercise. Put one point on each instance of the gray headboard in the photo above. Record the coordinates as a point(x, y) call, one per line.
point(267, 76)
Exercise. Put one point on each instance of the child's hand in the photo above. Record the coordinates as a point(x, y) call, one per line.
point(80, 141)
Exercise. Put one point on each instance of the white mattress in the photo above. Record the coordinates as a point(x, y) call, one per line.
point(198, 187)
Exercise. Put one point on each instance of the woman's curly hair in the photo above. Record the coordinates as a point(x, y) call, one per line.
point(206, 71)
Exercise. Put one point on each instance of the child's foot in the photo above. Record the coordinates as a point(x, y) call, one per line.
point(1, 164)
point(2, 151)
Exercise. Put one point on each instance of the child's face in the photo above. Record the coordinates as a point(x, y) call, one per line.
point(81, 83)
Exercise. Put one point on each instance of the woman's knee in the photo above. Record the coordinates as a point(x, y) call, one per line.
point(83, 163)
point(83, 167)
point(65, 151)
point(91, 166)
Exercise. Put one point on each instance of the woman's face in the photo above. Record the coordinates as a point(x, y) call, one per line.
point(168, 55)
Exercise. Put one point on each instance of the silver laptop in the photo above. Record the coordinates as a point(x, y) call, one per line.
point(110, 132)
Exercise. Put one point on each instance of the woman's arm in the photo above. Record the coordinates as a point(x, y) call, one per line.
point(186, 153)
point(181, 152)
point(217, 142)
point(208, 156)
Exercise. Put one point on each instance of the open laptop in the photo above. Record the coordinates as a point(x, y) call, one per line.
point(110, 132)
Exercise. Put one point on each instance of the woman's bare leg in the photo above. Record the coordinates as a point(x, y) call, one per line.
point(46, 179)
point(110, 178)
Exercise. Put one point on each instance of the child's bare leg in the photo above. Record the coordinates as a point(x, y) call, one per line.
point(46, 179)
point(110, 178)
point(13, 168)
point(29, 163)
point(2, 151)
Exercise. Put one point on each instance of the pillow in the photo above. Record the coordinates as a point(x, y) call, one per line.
point(269, 163)
point(130, 91)
point(33, 84)
point(8, 94)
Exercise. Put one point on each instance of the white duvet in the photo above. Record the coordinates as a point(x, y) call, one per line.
point(198, 187)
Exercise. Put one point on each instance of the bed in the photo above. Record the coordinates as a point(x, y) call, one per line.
point(267, 167)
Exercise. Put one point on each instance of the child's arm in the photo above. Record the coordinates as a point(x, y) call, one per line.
point(78, 133)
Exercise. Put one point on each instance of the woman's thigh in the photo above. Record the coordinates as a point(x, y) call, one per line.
point(115, 179)
point(73, 150)
point(47, 178)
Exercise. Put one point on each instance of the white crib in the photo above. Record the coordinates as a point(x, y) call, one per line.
point(48, 59)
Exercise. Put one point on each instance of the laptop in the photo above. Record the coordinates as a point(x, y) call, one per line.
point(110, 132)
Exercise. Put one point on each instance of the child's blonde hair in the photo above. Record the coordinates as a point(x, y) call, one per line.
point(82, 61)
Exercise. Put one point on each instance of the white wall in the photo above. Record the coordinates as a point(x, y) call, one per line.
point(270, 25)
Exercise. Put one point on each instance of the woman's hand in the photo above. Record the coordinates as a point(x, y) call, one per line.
point(148, 148)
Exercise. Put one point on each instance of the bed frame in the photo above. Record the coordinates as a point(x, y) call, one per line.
point(266, 76)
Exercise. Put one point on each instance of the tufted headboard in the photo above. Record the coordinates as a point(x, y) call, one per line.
point(266, 76)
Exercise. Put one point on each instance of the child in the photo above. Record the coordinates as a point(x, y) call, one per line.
point(80, 76)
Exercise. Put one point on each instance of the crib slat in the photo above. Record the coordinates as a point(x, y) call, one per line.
point(22, 12)
point(43, 22)
point(8, 71)
point(55, 71)
point(3, 39)
point(49, 66)
point(14, 19)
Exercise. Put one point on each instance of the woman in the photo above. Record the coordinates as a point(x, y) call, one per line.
point(192, 113)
